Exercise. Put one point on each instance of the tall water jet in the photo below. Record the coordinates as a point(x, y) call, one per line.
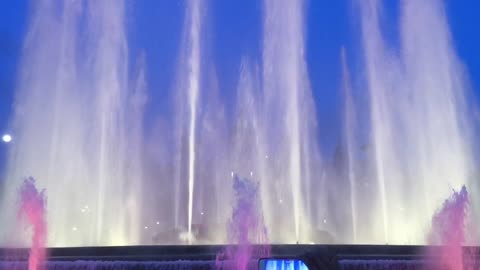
point(200, 136)
point(193, 88)
point(289, 114)
point(185, 121)
point(418, 118)
point(135, 128)
point(73, 125)
point(373, 52)
point(214, 192)
point(349, 129)
point(189, 93)
point(248, 155)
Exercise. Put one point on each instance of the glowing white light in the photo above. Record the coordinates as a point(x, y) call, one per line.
point(324, 221)
point(158, 222)
point(146, 227)
point(6, 138)
point(280, 201)
point(186, 237)
point(83, 210)
point(266, 157)
point(251, 173)
point(74, 228)
point(201, 213)
point(232, 174)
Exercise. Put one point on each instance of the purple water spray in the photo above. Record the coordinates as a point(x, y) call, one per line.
point(246, 226)
point(32, 208)
point(448, 230)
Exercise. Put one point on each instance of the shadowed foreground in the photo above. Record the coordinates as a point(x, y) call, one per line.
point(204, 257)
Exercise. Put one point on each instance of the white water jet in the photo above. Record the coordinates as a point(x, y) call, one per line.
point(187, 115)
point(419, 133)
point(349, 140)
point(289, 113)
point(73, 125)
point(193, 89)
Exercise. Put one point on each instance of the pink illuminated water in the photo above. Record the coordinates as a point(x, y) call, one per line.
point(448, 231)
point(32, 209)
point(245, 228)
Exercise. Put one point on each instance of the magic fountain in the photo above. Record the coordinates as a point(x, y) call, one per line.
point(80, 130)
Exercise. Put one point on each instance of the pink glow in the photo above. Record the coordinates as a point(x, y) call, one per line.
point(448, 231)
point(246, 227)
point(32, 208)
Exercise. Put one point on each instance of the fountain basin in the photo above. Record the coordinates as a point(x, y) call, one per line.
point(203, 257)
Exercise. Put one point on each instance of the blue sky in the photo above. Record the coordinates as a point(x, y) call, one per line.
point(234, 30)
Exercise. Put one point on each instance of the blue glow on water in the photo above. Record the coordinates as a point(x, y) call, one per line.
point(280, 264)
